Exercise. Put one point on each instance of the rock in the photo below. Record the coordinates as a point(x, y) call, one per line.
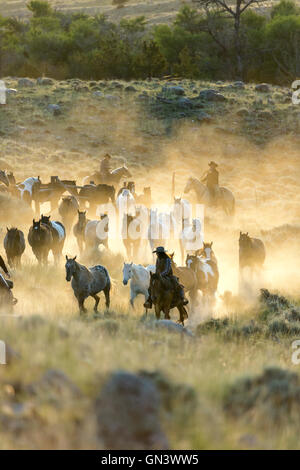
point(243, 112)
point(98, 93)
point(112, 98)
point(211, 95)
point(204, 117)
point(127, 413)
point(117, 85)
point(174, 90)
point(130, 88)
point(26, 83)
point(262, 88)
point(173, 395)
point(185, 103)
point(239, 84)
point(265, 115)
point(55, 109)
point(54, 381)
point(172, 327)
point(44, 81)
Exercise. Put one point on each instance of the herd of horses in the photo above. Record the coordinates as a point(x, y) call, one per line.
point(199, 270)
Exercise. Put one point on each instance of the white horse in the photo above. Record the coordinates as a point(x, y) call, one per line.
point(96, 233)
point(139, 278)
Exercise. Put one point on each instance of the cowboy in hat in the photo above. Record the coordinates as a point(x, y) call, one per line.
point(105, 168)
point(211, 178)
point(164, 268)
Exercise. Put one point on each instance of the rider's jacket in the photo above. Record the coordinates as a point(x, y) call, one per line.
point(212, 178)
point(105, 166)
point(164, 266)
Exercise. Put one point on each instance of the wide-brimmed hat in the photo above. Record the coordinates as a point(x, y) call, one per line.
point(107, 155)
point(213, 164)
point(160, 249)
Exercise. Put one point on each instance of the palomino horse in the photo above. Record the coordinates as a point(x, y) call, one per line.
point(204, 264)
point(88, 282)
point(164, 297)
point(225, 198)
point(114, 177)
point(187, 278)
point(139, 278)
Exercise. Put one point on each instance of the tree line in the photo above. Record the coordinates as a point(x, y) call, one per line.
point(212, 39)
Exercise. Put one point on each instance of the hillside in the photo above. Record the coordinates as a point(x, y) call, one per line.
point(157, 11)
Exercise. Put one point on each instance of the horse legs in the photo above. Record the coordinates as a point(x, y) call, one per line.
point(97, 299)
point(133, 295)
point(157, 311)
point(82, 308)
point(107, 296)
point(183, 315)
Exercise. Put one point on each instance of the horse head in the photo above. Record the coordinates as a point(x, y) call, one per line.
point(127, 273)
point(244, 239)
point(45, 219)
point(206, 250)
point(70, 266)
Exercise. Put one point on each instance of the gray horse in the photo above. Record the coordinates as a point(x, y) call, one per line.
point(88, 282)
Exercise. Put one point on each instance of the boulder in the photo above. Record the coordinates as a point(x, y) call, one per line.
point(174, 90)
point(211, 95)
point(130, 89)
point(127, 414)
point(44, 81)
point(55, 109)
point(26, 83)
point(262, 88)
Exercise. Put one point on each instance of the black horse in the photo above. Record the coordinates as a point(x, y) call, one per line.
point(96, 195)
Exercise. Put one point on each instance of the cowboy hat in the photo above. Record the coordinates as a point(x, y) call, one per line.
point(212, 164)
point(159, 249)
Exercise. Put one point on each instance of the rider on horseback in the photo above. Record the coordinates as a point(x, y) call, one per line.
point(164, 269)
point(211, 178)
point(105, 168)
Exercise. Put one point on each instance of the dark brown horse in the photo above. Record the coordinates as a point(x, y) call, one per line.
point(14, 244)
point(67, 209)
point(96, 195)
point(58, 232)
point(252, 252)
point(164, 297)
point(40, 239)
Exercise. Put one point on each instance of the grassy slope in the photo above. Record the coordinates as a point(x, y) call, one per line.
point(155, 139)
point(157, 11)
